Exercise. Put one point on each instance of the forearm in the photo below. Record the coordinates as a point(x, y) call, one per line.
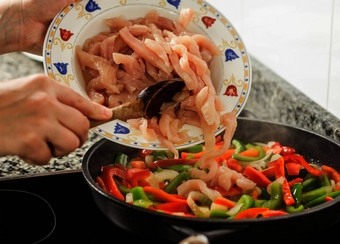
point(9, 24)
point(20, 28)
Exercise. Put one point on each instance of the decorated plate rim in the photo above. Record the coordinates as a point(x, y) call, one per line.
point(117, 137)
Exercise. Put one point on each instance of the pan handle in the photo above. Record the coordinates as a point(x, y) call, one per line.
point(205, 237)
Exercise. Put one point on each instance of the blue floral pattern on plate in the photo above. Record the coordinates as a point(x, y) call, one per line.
point(61, 67)
point(230, 55)
point(92, 6)
point(121, 129)
point(174, 3)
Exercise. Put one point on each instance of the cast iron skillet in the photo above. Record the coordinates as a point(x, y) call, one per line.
point(165, 228)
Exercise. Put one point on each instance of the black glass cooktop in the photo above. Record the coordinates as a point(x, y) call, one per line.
point(59, 208)
point(54, 209)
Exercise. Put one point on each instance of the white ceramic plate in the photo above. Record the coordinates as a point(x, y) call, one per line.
point(231, 71)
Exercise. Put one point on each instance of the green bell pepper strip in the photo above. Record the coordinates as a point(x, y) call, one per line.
point(310, 183)
point(292, 209)
point(122, 159)
point(324, 181)
point(159, 155)
point(123, 189)
point(318, 192)
point(191, 156)
point(138, 193)
point(180, 167)
point(249, 145)
point(218, 213)
point(296, 192)
point(239, 146)
point(276, 198)
point(258, 203)
point(246, 201)
point(184, 175)
point(194, 149)
point(142, 203)
point(321, 199)
point(261, 155)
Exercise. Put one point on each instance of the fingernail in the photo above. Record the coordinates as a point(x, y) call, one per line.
point(106, 112)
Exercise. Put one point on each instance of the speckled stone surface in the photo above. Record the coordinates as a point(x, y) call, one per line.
point(271, 98)
point(274, 99)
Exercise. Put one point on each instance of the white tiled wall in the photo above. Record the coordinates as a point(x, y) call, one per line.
point(299, 40)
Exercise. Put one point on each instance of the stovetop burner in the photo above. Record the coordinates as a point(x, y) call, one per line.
point(54, 209)
point(25, 215)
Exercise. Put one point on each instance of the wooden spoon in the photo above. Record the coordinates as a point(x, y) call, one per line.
point(148, 102)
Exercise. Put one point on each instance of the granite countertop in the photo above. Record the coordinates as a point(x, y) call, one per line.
point(271, 98)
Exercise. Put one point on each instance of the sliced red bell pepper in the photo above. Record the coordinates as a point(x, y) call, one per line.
point(198, 155)
point(328, 198)
point(233, 164)
point(282, 150)
point(293, 167)
point(296, 180)
point(271, 213)
point(287, 195)
point(280, 172)
point(269, 172)
point(173, 207)
point(233, 191)
point(287, 150)
point(161, 195)
point(251, 213)
point(131, 172)
point(164, 163)
point(272, 163)
point(144, 152)
point(137, 176)
point(277, 148)
point(100, 183)
point(257, 176)
point(304, 163)
point(224, 202)
point(139, 164)
point(107, 175)
point(331, 173)
point(178, 214)
point(280, 168)
point(226, 155)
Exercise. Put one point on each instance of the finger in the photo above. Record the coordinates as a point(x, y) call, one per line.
point(86, 106)
point(73, 120)
point(37, 153)
point(63, 141)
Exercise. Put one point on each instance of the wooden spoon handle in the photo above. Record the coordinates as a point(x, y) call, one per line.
point(120, 112)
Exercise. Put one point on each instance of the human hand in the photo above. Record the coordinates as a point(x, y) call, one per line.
point(40, 118)
point(23, 23)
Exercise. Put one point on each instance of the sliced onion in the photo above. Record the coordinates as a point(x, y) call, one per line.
point(166, 174)
point(258, 164)
point(192, 197)
point(129, 197)
point(215, 206)
point(157, 177)
point(148, 160)
point(235, 209)
point(280, 180)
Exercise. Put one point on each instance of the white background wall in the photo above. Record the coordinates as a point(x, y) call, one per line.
point(299, 40)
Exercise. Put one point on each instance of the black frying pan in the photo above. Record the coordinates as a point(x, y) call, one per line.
point(163, 228)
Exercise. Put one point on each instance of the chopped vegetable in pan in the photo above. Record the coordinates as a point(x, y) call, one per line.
point(250, 181)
